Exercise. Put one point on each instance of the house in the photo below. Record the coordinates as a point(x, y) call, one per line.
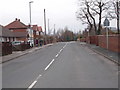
point(37, 34)
point(24, 32)
point(8, 36)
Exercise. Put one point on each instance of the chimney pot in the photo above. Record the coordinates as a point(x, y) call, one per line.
point(16, 19)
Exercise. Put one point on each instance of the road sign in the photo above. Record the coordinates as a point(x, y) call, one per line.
point(106, 22)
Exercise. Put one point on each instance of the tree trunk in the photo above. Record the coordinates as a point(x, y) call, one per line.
point(118, 28)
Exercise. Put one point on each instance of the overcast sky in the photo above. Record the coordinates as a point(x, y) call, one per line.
point(60, 12)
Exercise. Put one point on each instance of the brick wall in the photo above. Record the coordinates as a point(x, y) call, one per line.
point(94, 40)
point(100, 40)
point(113, 42)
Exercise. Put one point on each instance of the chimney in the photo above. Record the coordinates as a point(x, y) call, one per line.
point(16, 19)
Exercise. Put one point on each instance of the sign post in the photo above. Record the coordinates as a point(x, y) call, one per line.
point(106, 23)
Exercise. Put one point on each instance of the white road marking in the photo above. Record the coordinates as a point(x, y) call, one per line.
point(56, 55)
point(31, 86)
point(38, 77)
point(49, 64)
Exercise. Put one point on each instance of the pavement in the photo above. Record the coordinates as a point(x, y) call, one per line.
point(62, 65)
point(113, 56)
point(17, 54)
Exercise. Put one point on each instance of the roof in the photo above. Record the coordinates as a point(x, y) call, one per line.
point(40, 28)
point(16, 24)
point(20, 34)
point(4, 32)
point(37, 28)
point(34, 27)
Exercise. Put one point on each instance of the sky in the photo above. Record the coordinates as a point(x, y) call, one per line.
point(59, 12)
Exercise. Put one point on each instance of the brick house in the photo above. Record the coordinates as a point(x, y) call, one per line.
point(18, 28)
point(8, 36)
point(30, 34)
point(37, 34)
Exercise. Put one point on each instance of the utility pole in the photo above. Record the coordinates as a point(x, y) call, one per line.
point(45, 25)
point(54, 34)
point(54, 29)
point(31, 40)
point(45, 21)
point(48, 28)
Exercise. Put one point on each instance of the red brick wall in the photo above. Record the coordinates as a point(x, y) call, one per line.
point(113, 42)
point(93, 40)
point(102, 41)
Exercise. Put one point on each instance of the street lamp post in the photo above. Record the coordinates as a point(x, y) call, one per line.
point(30, 22)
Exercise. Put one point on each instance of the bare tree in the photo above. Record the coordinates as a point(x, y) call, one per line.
point(114, 13)
point(86, 16)
point(100, 6)
point(95, 8)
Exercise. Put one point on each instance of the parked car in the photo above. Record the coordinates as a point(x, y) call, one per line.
point(17, 42)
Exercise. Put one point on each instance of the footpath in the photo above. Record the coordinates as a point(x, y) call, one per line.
point(17, 54)
point(113, 56)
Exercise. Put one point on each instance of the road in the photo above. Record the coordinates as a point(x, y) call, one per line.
point(63, 65)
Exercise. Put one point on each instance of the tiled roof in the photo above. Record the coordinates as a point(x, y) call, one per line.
point(37, 28)
point(7, 33)
point(40, 28)
point(16, 24)
point(34, 27)
point(20, 34)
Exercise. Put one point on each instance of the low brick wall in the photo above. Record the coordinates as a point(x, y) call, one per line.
point(5, 48)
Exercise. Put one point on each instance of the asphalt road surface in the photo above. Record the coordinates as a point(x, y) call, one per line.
point(63, 65)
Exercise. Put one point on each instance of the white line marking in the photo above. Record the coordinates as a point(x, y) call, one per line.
point(56, 55)
point(31, 86)
point(61, 50)
point(49, 64)
point(38, 77)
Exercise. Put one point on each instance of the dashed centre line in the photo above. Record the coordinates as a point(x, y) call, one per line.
point(33, 84)
point(57, 55)
point(49, 64)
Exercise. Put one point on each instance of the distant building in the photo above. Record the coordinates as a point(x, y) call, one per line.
point(37, 33)
point(111, 30)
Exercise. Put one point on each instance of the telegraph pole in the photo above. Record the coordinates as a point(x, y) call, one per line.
point(48, 27)
point(45, 21)
point(54, 29)
point(31, 38)
point(45, 25)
